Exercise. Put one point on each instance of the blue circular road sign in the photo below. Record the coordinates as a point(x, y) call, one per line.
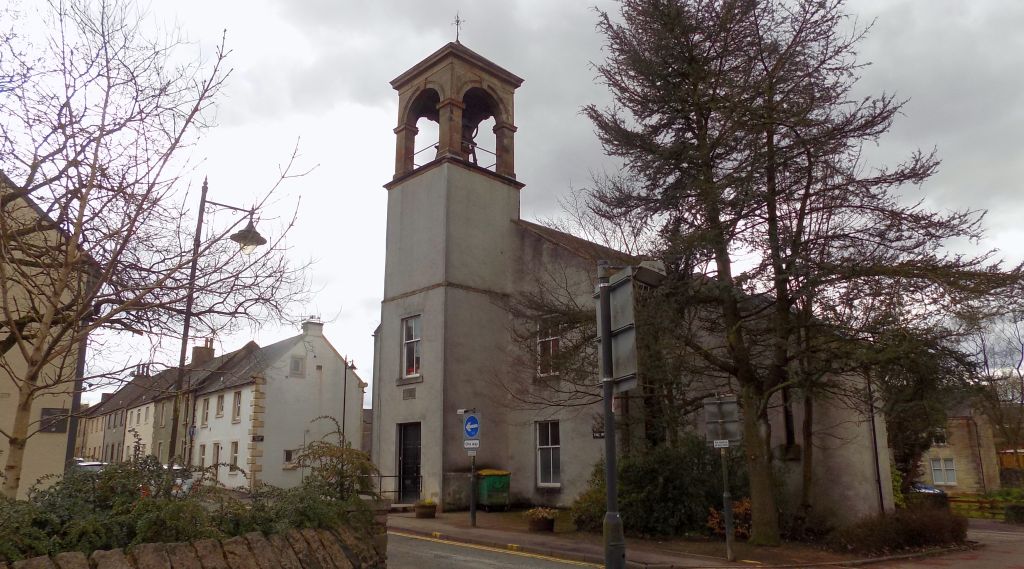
point(471, 426)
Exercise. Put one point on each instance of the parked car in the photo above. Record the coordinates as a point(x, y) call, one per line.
point(90, 466)
point(183, 480)
point(922, 488)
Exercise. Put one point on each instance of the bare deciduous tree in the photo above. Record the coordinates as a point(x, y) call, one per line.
point(1000, 387)
point(96, 233)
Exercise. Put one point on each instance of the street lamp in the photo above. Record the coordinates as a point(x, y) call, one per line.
point(248, 239)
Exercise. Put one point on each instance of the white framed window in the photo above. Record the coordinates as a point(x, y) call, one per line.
point(297, 367)
point(163, 414)
point(220, 405)
point(206, 411)
point(138, 416)
point(411, 339)
point(234, 456)
point(147, 415)
point(202, 456)
point(289, 455)
point(943, 472)
point(549, 332)
point(549, 445)
point(236, 407)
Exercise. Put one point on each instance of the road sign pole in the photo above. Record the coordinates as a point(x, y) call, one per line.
point(614, 538)
point(472, 491)
point(727, 505)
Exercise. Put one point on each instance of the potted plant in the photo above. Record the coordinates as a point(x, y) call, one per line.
point(541, 519)
point(425, 508)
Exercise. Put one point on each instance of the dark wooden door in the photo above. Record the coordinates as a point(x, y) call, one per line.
point(408, 463)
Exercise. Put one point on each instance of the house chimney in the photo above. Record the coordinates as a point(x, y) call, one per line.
point(202, 354)
point(141, 370)
point(313, 327)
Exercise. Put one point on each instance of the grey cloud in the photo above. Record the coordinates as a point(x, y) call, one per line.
point(962, 66)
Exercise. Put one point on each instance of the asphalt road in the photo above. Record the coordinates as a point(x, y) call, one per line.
point(421, 553)
point(1002, 547)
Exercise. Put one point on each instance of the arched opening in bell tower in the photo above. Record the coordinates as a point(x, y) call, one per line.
point(479, 141)
point(423, 118)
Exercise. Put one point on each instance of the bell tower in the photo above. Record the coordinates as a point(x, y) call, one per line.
point(449, 261)
point(458, 89)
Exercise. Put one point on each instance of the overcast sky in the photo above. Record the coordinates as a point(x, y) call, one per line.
point(317, 72)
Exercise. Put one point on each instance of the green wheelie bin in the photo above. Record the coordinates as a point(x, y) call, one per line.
point(493, 489)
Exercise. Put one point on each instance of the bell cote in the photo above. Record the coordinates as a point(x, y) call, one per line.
point(458, 89)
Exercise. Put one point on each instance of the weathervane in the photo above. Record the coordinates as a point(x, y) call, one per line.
point(458, 26)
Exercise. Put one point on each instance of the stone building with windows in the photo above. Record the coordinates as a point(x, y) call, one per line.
point(458, 260)
point(962, 458)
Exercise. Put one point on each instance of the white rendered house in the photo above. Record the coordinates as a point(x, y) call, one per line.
point(253, 415)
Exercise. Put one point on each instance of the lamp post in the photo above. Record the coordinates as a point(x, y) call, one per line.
point(248, 239)
point(614, 539)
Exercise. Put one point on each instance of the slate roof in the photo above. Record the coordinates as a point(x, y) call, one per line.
point(252, 360)
point(575, 245)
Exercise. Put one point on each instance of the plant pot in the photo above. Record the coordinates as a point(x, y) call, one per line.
point(541, 525)
point(425, 511)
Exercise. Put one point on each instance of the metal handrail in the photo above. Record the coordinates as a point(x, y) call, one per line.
point(397, 489)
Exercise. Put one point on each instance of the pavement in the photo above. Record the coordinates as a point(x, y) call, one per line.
point(1001, 546)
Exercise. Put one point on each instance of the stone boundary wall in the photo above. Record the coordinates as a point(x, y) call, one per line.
point(339, 548)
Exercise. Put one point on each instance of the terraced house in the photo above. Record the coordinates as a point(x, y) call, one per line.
point(250, 411)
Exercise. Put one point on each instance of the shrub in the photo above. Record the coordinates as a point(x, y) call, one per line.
point(663, 491)
point(741, 520)
point(899, 498)
point(165, 520)
point(24, 530)
point(136, 502)
point(905, 529)
point(1015, 514)
point(588, 510)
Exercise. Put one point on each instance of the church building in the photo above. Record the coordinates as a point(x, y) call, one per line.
point(458, 256)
